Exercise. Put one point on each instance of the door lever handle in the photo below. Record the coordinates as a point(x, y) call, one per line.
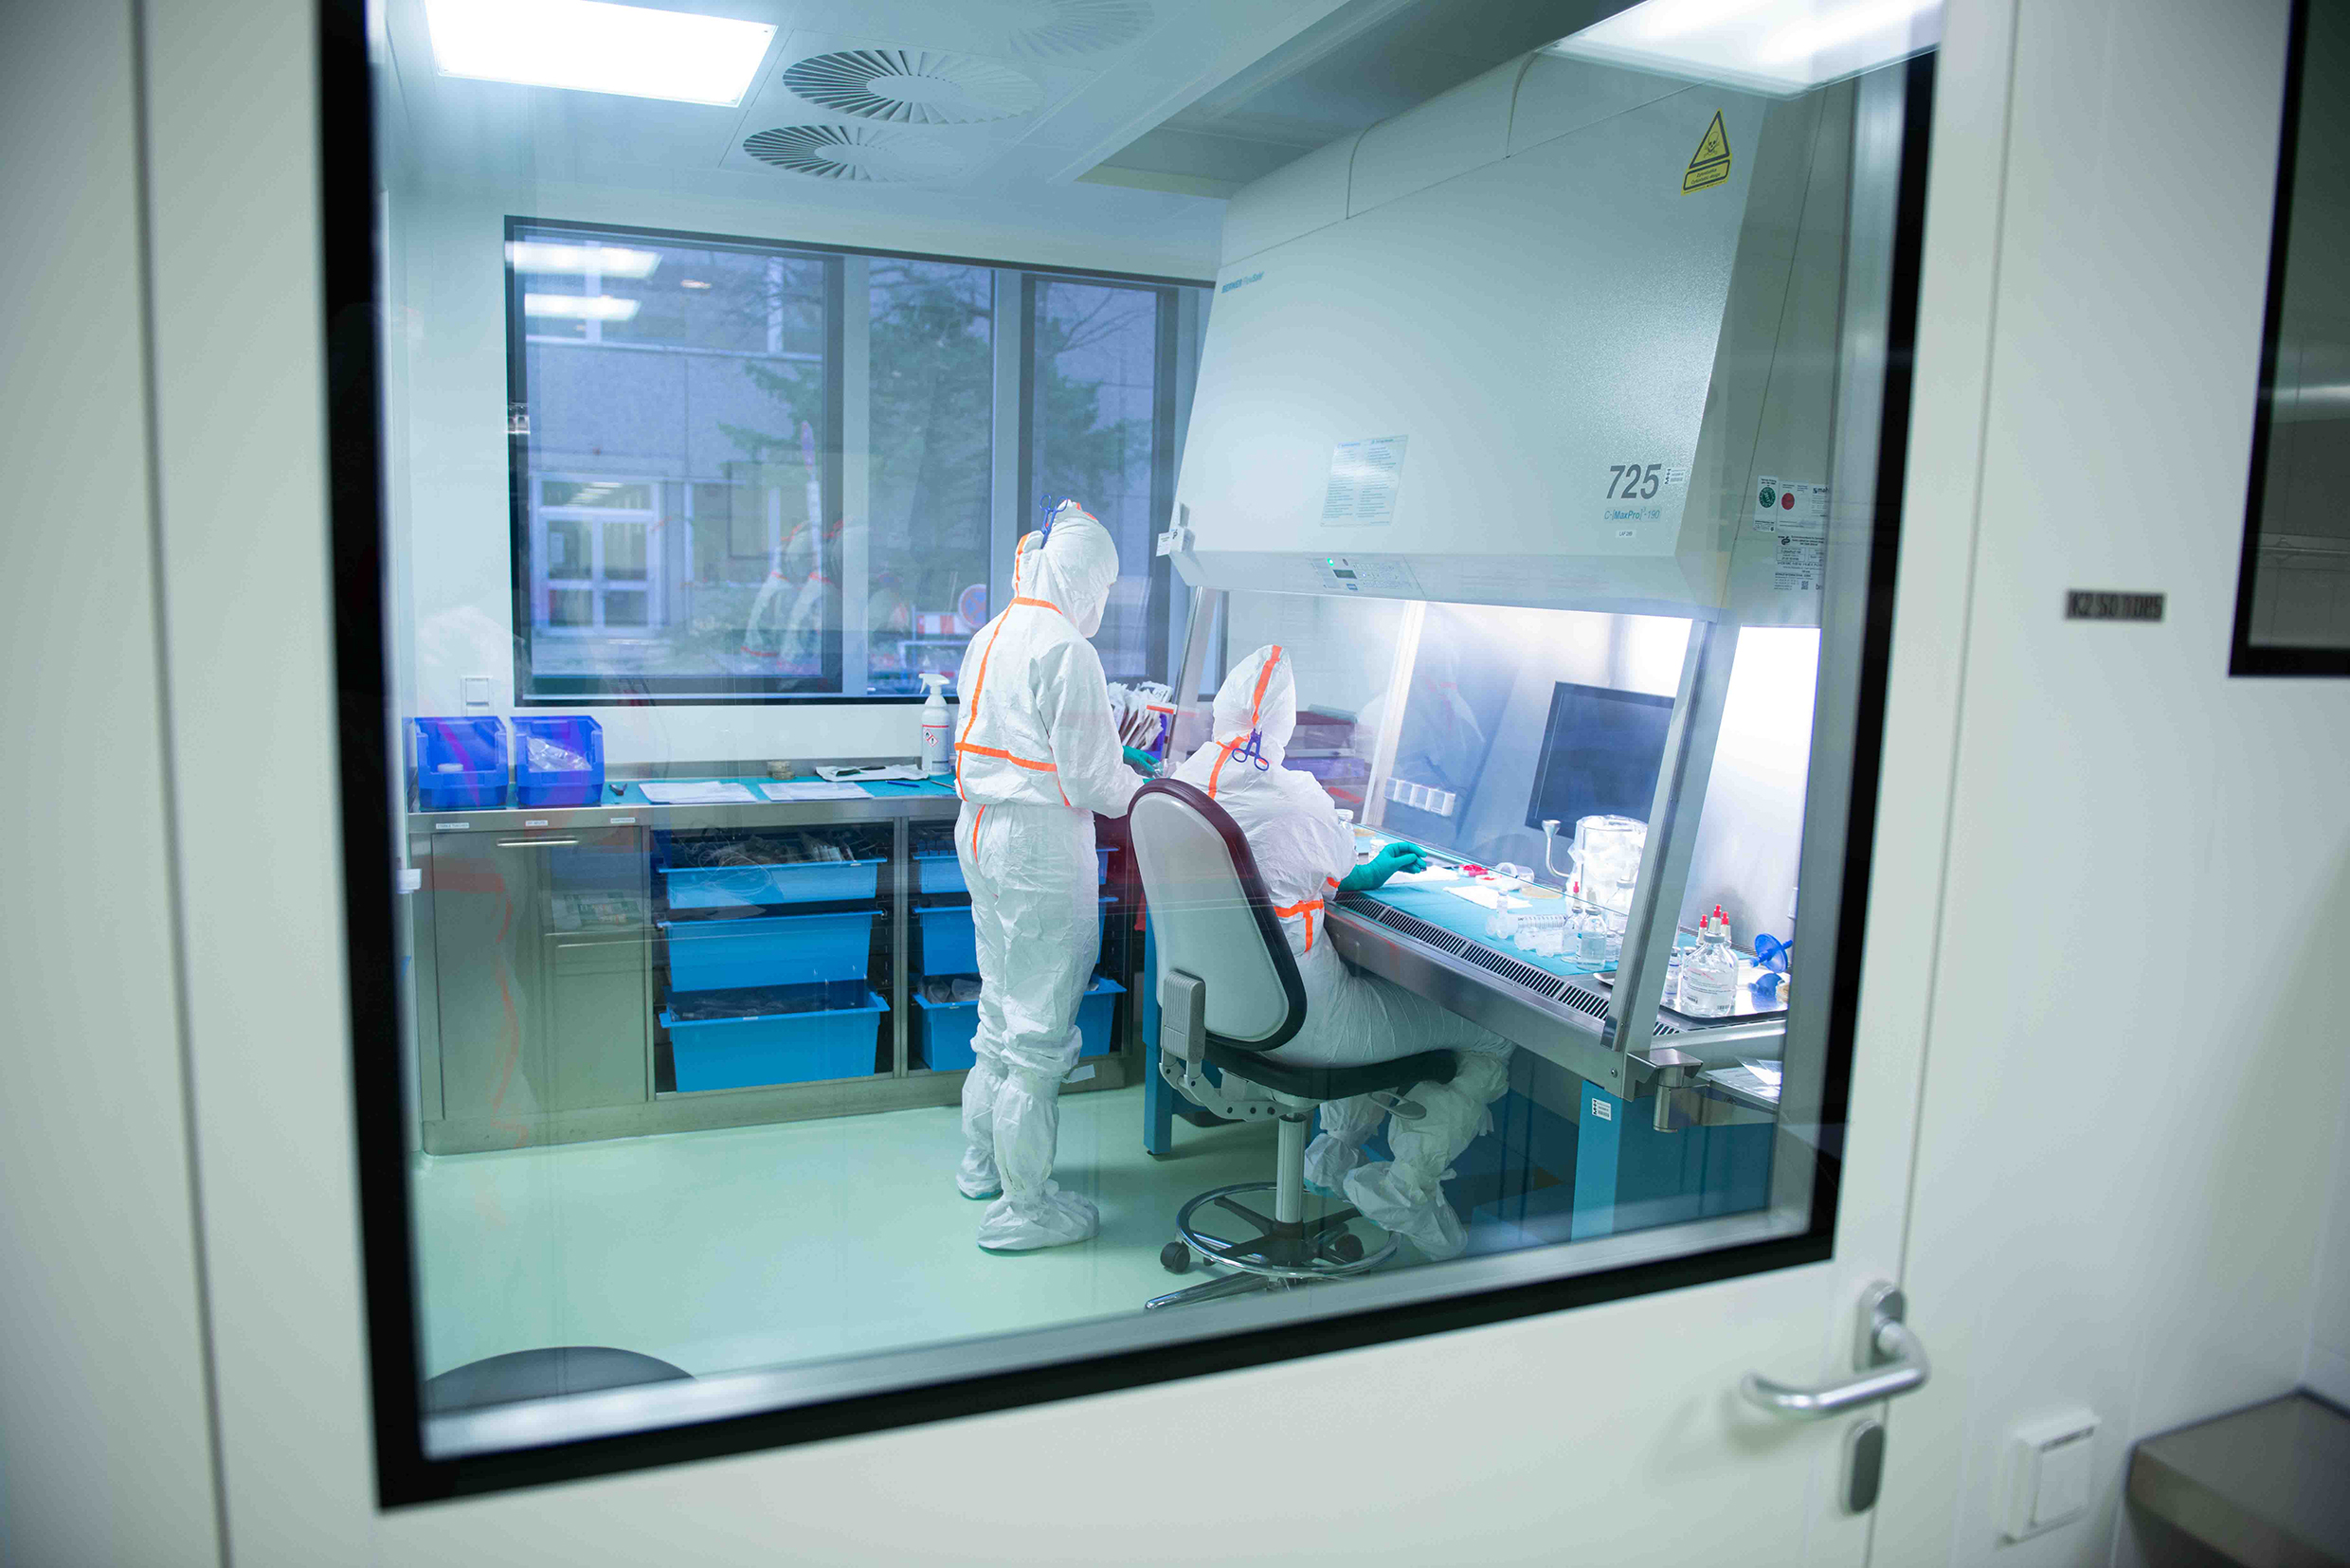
point(1887, 1357)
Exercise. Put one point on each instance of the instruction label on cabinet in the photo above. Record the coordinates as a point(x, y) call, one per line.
point(1792, 507)
point(1363, 475)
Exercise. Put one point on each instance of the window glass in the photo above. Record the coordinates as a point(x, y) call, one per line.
point(691, 1101)
point(1096, 437)
point(932, 336)
point(2293, 604)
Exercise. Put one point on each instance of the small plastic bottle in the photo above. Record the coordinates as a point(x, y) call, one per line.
point(1709, 975)
point(1590, 931)
point(934, 755)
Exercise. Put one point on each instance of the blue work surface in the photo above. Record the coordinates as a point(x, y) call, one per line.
point(1432, 903)
point(882, 791)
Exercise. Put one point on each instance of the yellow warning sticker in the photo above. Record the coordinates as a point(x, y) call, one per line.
point(1710, 162)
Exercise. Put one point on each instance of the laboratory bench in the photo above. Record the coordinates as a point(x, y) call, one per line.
point(1623, 1170)
point(629, 966)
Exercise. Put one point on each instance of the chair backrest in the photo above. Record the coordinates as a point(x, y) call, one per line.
point(1210, 916)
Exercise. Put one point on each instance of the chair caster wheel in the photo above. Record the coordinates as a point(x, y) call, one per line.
point(1347, 1248)
point(1176, 1258)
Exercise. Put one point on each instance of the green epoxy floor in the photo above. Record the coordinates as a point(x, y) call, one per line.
point(756, 1246)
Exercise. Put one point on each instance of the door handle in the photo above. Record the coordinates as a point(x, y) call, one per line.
point(535, 844)
point(1887, 1357)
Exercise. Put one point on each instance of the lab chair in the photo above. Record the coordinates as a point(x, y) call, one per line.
point(1229, 992)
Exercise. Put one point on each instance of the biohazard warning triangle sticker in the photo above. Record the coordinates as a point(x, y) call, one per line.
point(1710, 162)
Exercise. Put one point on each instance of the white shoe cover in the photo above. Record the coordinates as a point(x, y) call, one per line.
point(1055, 1219)
point(1392, 1200)
point(976, 1177)
point(1328, 1161)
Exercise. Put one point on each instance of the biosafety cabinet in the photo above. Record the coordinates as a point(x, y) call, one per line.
point(1519, 425)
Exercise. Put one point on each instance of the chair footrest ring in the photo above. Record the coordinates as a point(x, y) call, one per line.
point(1284, 1251)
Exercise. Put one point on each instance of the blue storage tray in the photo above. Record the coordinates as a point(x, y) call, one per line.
point(949, 945)
point(794, 1048)
point(946, 1027)
point(575, 734)
point(743, 887)
point(475, 744)
point(944, 873)
point(785, 949)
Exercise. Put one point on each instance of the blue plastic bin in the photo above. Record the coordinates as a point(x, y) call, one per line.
point(946, 1027)
point(741, 887)
point(572, 774)
point(942, 872)
point(949, 945)
point(785, 950)
point(458, 762)
point(794, 1048)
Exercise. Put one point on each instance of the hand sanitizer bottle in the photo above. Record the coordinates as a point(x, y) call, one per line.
point(936, 758)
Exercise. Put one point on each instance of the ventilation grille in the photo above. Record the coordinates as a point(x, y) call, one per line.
point(851, 152)
point(1541, 982)
point(1056, 28)
point(913, 87)
point(1420, 931)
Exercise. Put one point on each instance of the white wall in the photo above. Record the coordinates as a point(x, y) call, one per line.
point(450, 495)
point(105, 1453)
point(2132, 1104)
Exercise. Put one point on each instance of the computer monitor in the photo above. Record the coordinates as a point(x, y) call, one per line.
point(1600, 755)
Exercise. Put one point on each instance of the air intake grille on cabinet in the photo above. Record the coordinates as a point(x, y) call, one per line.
point(851, 152)
point(913, 87)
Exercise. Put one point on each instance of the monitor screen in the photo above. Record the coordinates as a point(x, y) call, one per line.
point(1601, 752)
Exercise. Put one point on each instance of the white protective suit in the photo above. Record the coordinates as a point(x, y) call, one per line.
point(1037, 757)
point(1303, 851)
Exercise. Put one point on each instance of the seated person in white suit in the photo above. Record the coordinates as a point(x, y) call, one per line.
point(1305, 854)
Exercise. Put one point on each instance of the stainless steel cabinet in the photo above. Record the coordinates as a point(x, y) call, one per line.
point(540, 946)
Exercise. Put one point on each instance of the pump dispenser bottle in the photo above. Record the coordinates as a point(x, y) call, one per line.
point(936, 760)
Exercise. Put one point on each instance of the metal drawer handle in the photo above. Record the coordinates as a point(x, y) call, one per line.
point(535, 844)
point(1889, 1358)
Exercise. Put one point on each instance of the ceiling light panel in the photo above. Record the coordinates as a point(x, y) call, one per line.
point(581, 307)
point(591, 47)
point(1782, 47)
point(913, 86)
point(605, 261)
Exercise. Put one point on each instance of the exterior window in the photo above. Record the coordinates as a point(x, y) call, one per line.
point(686, 526)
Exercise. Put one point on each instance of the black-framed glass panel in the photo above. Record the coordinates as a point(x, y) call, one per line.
point(2293, 597)
point(676, 452)
point(660, 1048)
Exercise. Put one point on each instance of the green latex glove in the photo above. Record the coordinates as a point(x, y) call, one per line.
point(1140, 761)
point(1395, 857)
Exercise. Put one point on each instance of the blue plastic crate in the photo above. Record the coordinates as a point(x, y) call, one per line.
point(939, 873)
point(458, 762)
point(946, 1027)
point(943, 872)
point(785, 950)
point(568, 768)
point(793, 1048)
point(949, 945)
point(744, 886)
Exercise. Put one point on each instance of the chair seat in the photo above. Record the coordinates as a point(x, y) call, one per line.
point(1313, 1082)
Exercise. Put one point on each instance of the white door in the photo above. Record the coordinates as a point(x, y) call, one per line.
point(1611, 1434)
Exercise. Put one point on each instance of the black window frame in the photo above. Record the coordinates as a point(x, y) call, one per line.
point(406, 1476)
point(2245, 657)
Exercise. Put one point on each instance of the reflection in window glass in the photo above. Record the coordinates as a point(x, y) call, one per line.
point(932, 337)
point(2294, 608)
point(1096, 437)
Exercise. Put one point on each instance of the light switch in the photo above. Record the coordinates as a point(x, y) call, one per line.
point(476, 689)
point(2048, 1472)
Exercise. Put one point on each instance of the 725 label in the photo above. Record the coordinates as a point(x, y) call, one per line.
point(1631, 480)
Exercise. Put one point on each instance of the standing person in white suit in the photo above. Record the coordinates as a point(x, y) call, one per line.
point(1305, 854)
point(1038, 755)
